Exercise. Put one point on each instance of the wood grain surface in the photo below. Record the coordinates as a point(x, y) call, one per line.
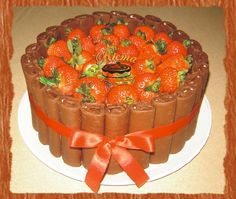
point(6, 94)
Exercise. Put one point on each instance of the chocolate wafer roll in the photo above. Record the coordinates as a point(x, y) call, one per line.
point(118, 16)
point(85, 22)
point(31, 73)
point(166, 26)
point(185, 100)
point(152, 21)
point(33, 51)
point(69, 113)
point(54, 31)
point(194, 45)
point(180, 35)
point(195, 81)
point(42, 40)
point(165, 105)
point(38, 96)
point(67, 25)
point(104, 17)
point(141, 118)
point(51, 97)
point(93, 119)
point(116, 124)
point(134, 20)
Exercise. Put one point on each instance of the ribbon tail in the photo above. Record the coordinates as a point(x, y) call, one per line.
point(130, 165)
point(98, 166)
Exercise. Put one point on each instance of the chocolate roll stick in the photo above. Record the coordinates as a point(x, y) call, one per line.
point(117, 124)
point(85, 22)
point(180, 35)
point(118, 16)
point(54, 31)
point(185, 100)
point(93, 116)
point(152, 21)
point(51, 97)
point(165, 105)
point(195, 81)
point(141, 118)
point(31, 73)
point(39, 98)
point(103, 17)
point(166, 26)
point(134, 20)
point(69, 114)
point(32, 51)
point(42, 40)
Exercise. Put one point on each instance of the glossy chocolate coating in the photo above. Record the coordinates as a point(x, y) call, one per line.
point(141, 118)
point(85, 22)
point(165, 105)
point(117, 124)
point(185, 102)
point(118, 15)
point(51, 98)
point(70, 116)
point(134, 20)
point(152, 21)
point(180, 35)
point(100, 15)
point(93, 116)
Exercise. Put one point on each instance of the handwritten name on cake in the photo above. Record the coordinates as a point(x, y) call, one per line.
point(106, 56)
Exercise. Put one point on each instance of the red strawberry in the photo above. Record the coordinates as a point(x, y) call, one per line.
point(90, 89)
point(60, 49)
point(123, 93)
point(137, 41)
point(175, 47)
point(162, 36)
point(176, 61)
point(127, 48)
point(91, 69)
point(171, 79)
point(63, 77)
point(49, 64)
point(81, 59)
point(145, 32)
point(87, 44)
point(144, 66)
point(147, 86)
point(97, 32)
point(76, 34)
point(121, 31)
point(111, 40)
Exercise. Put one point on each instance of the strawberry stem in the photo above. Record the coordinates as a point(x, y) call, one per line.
point(41, 62)
point(186, 43)
point(161, 46)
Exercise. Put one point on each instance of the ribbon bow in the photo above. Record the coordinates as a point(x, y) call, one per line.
point(107, 147)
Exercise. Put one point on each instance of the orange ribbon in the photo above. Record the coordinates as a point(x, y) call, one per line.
point(117, 147)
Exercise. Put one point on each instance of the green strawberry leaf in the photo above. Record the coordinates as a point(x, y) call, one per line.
point(150, 64)
point(186, 43)
point(125, 42)
point(141, 34)
point(54, 81)
point(100, 21)
point(181, 76)
point(41, 62)
point(189, 60)
point(161, 46)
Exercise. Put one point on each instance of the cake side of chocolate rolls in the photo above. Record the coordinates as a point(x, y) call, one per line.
point(185, 101)
point(93, 119)
point(141, 118)
point(165, 106)
point(116, 124)
point(51, 96)
point(70, 116)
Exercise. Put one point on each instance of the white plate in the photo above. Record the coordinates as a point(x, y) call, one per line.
point(155, 171)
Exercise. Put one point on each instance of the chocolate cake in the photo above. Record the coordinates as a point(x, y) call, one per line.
point(90, 98)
